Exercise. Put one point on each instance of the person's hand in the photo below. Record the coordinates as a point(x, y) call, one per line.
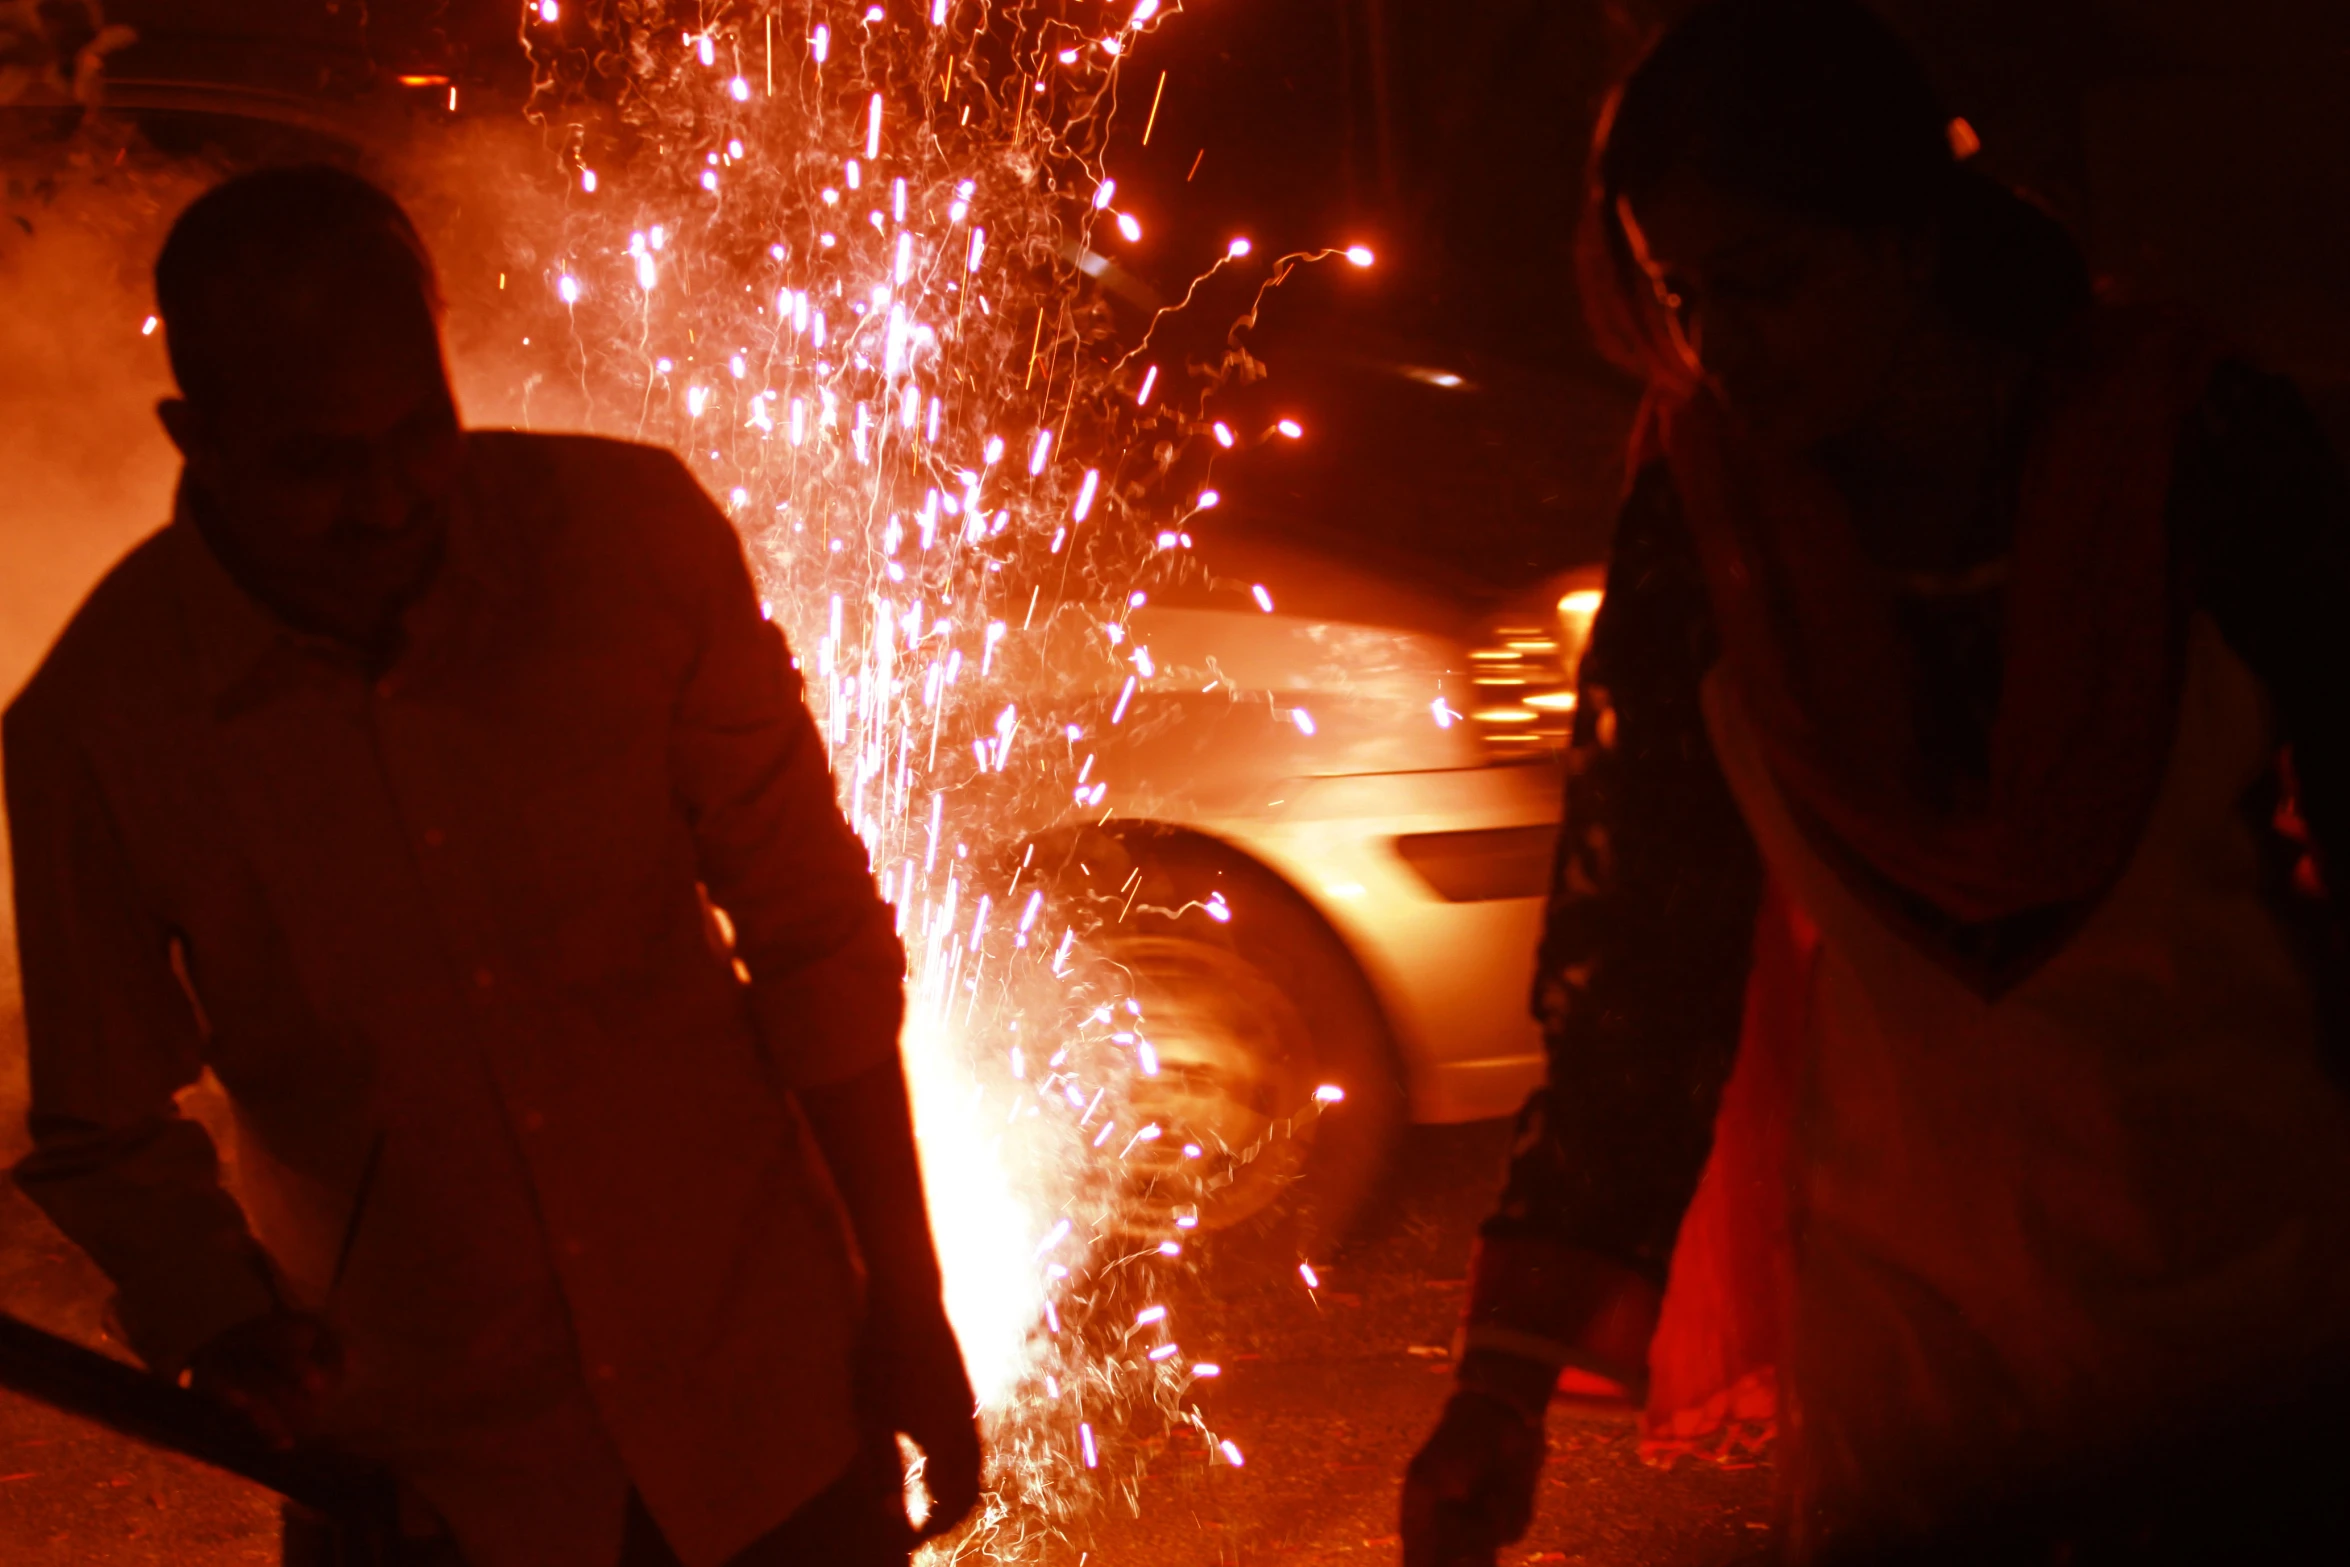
point(276, 1371)
point(915, 1385)
point(1470, 1489)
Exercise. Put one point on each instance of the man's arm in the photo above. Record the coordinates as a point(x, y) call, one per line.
point(1639, 984)
point(826, 971)
point(2260, 508)
point(827, 979)
point(113, 1038)
point(2260, 513)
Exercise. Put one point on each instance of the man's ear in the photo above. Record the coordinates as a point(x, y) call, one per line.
point(179, 422)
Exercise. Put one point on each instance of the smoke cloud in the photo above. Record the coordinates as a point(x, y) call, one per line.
point(85, 471)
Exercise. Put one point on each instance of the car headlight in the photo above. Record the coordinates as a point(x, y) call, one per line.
point(1523, 668)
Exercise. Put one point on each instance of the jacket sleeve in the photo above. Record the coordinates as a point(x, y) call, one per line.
point(2260, 514)
point(820, 948)
point(112, 1038)
point(1640, 980)
point(2261, 511)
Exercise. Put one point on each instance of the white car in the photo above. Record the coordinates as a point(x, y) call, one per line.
point(1338, 798)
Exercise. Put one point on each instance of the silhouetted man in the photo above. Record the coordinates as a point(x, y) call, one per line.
point(395, 781)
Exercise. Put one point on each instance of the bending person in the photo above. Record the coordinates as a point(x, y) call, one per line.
point(1973, 678)
point(394, 781)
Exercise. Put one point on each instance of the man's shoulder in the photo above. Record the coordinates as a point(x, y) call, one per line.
point(602, 503)
point(591, 470)
point(126, 624)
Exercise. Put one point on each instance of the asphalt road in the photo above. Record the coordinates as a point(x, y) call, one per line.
point(1326, 1392)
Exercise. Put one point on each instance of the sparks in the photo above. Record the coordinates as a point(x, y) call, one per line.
point(834, 347)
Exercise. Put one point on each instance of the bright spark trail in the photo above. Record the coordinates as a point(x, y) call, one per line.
point(835, 254)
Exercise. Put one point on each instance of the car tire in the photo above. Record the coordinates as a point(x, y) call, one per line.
point(1253, 1005)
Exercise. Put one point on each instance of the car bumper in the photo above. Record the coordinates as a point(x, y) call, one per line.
point(1435, 880)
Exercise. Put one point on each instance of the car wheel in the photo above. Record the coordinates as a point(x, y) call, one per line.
point(1255, 1012)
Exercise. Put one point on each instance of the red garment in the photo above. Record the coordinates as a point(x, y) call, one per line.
point(2085, 719)
point(1712, 1365)
point(2078, 751)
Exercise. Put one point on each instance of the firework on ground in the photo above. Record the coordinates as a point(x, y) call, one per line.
point(834, 254)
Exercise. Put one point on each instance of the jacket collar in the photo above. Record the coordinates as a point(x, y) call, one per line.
point(237, 640)
point(234, 637)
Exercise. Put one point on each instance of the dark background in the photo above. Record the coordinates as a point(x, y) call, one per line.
point(2200, 151)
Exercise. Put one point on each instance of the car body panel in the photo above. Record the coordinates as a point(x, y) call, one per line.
point(1322, 747)
point(1452, 976)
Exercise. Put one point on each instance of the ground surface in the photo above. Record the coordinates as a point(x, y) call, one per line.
point(1326, 1393)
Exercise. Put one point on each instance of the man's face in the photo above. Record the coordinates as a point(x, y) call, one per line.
point(326, 456)
point(1795, 325)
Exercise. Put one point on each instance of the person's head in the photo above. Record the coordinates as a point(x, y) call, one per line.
point(321, 440)
point(1778, 208)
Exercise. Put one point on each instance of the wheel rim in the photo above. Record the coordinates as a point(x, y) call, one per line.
point(1235, 1082)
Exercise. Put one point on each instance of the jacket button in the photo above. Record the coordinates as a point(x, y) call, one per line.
point(434, 837)
point(483, 979)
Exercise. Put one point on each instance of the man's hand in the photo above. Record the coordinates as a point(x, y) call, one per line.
point(276, 1371)
point(914, 1382)
point(911, 1378)
point(1470, 1489)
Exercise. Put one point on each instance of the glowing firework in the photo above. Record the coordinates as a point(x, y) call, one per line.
point(842, 277)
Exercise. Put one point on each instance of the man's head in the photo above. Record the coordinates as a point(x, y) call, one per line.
point(315, 417)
